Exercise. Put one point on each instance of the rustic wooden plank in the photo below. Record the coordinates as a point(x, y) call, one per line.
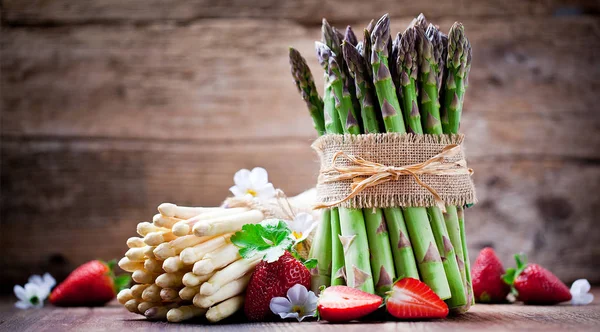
point(31, 12)
point(515, 317)
point(180, 83)
point(65, 202)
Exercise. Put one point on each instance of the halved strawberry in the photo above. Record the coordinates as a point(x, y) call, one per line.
point(343, 304)
point(413, 299)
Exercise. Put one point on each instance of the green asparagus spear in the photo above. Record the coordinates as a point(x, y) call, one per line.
point(343, 100)
point(350, 37)
point(321, 251)
point(407, 71)
point(428, 258)
point(458, 64)
point(419, 21)
point(332, 126)
point(393, 69)
point(463, 237)
point(431, 63)
point(306, 86)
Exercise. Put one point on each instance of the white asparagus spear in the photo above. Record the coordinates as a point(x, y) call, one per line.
point(124, 295)
point(230, 273)
point(145, 227)
point(156, 238)
point(127, 265)
point(182, 313)
point(184, 227)
point(173, 248)
point(190, 279)
point(143, 277)
point(149, 252)
point(187, 293)
point(170, 280)
point(137, 254)
point(153, 265)
point(160, 312)
point(230, 290)
point(137, 290)
point(135, 242)
point(143, 306)
point(173, 264)
point(163, 221)
point(151, 294)
point(132, 305)
point(225, 309)
point(169, 294)
point(217, 259)
point(197, 252)
point(227, 224)
point(183, 212)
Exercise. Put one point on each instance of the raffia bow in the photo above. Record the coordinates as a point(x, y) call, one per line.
point(365, 174)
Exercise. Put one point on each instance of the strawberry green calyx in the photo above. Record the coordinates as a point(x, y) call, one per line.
point(512, 273)
point(270, 239)
point(120, 282)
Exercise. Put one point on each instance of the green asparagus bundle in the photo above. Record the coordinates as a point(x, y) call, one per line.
point(377, 85)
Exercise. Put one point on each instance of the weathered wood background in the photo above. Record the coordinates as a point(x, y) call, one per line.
point(111, 107)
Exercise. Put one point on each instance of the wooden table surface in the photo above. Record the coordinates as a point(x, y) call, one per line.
point(113, 317)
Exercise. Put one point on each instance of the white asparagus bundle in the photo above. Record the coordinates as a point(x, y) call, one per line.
point(184, 227)
point(144, 228)
point(187, 293)
point(127, 265)
point(153, 265)
point(156, 238)
point(183, 212)
point(137, 254)
point(230, 290)
point(225, 309)
point(197, 252)
point(160, 312)
point(190, 279)
point(135, 242)
point(230, 273)
point(217, 259)
point(151, 294)
point(182, 313)
point(132, 305)
point(163, 221)
point(173, 264)
point(169, 280)
point(170, 295)
point(173, 248)
point(143, 277)
point(124, 295)
point(227, 224)
point(143, 306)
point(137, 290)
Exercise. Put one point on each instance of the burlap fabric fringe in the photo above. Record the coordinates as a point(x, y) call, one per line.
point(392, 170)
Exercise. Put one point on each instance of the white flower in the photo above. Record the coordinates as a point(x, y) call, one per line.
point(302, 225)
point(32, 296)
point(45, 283)
point(300, 303)
point(580, 292)
point(253, 183)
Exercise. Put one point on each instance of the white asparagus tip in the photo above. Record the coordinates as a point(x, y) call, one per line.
point(225, 309)
point(167, 209)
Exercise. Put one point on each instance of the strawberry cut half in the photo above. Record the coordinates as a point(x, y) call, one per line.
point(343, 304)
point(413, 299)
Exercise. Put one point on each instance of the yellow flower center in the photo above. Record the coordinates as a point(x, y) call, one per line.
point(298, 309)
point(252, 192)
point(297, 235)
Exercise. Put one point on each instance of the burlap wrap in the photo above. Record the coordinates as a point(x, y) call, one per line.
point(398, 150)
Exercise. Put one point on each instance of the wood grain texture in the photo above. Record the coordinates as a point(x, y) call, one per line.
point(515, 317)
point(111, 107)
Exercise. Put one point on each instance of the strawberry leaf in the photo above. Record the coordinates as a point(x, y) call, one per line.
point(122, 282)
point(310, 263)
point(270, 239)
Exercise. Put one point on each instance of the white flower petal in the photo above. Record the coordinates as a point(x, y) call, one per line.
point(306, 315)
point(311, 303)
point(297, 295)
point(580, 286)
point(280, 305)
point(304, 220)
point(49, 280)
point(265, 192)
point(259, 177)
point(242, 179)
point(22, 305)
point(20, 292)
point(237, 192)
point(285, 315)
point(36, 279)
point(32, 290)
point(582, 299)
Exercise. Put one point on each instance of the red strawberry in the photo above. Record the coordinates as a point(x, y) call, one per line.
point(343, 304)
point(413, 299)
point(535, 285)
point(91, 284)
point(273, 280)
point(487, 272)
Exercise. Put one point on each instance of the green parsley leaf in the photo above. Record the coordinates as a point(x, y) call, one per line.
point(310, 263)
point(270, 239)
